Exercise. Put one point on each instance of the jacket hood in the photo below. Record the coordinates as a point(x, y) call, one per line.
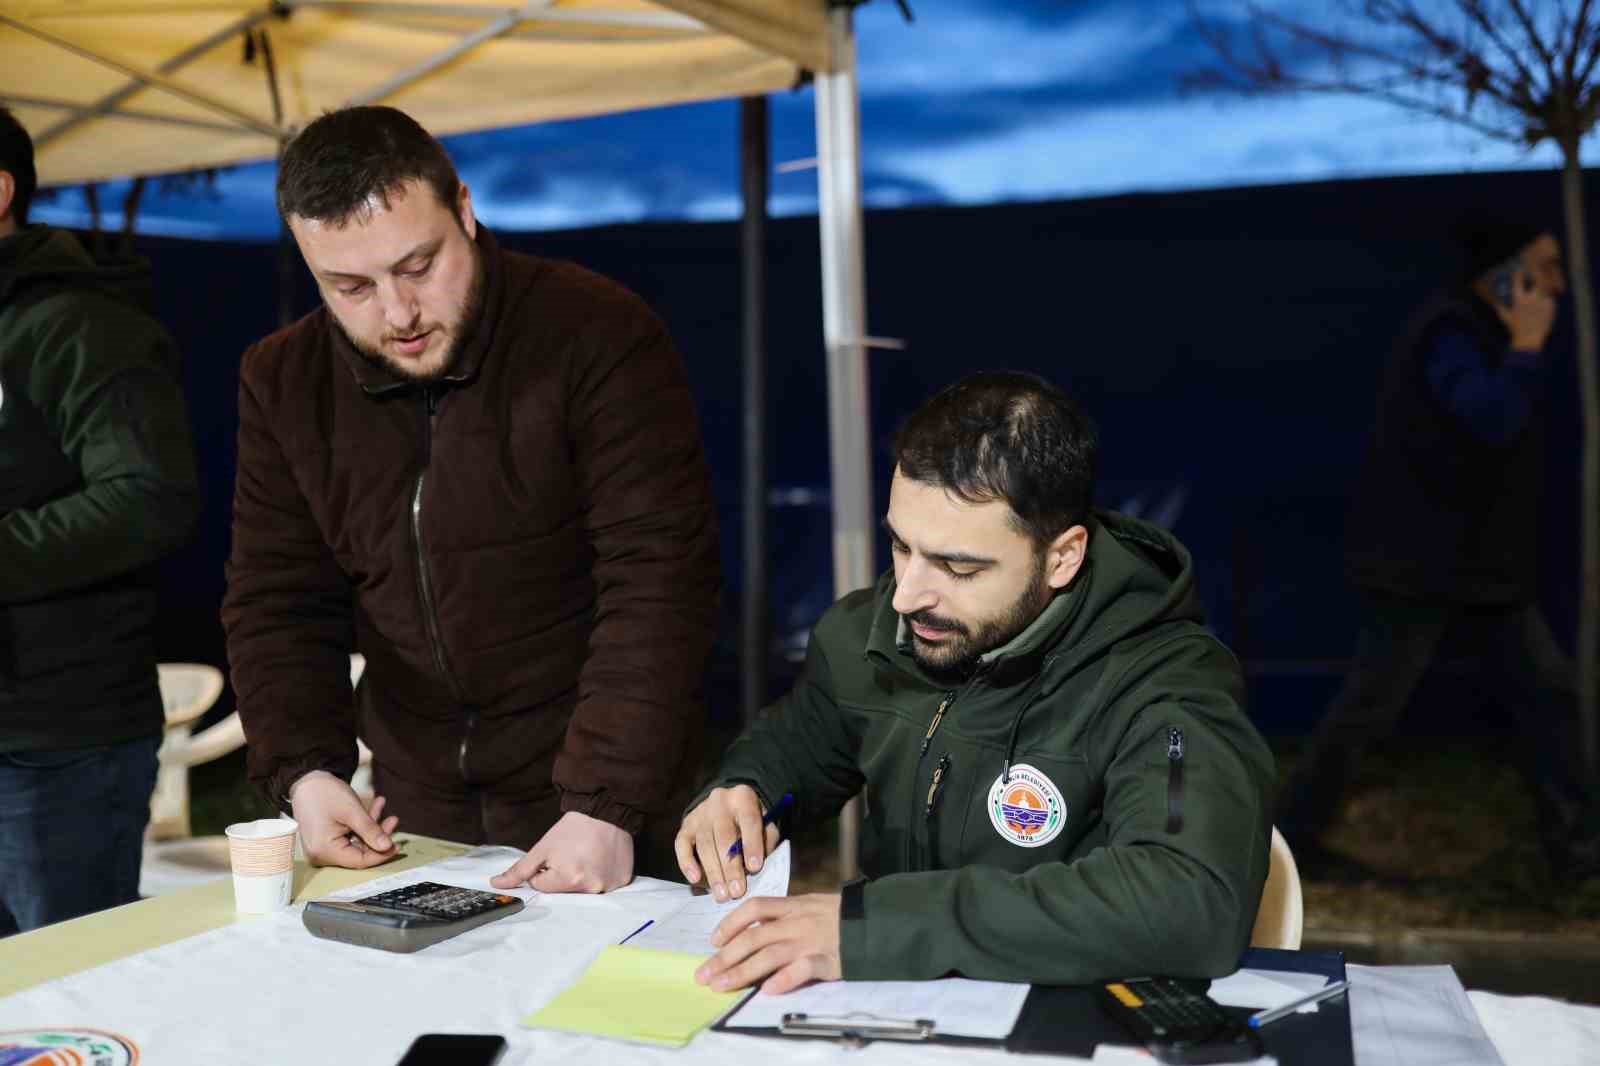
point(44, 255)
point(1137, 576)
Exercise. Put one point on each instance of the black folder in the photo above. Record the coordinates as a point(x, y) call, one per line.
point(1069, 1020)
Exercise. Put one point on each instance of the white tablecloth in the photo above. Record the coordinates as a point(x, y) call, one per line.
point(265, 991)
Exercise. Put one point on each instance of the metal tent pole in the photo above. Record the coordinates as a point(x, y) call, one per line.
point(844, 332)
point(753, 162)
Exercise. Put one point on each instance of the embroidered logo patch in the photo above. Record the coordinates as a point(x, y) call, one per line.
point(1027, 810)
point(66, 1047)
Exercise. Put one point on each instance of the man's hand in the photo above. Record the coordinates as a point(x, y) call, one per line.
point(793, 939)
point(1532, 314)
point(336, 828)
point(724, 816)
point(578, 854)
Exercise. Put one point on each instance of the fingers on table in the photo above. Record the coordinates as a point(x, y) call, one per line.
point(520, 872)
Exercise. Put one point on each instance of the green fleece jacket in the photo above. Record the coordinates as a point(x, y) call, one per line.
point(97, 482)
point(1101, 802)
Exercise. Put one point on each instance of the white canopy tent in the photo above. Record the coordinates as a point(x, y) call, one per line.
point(116, 88)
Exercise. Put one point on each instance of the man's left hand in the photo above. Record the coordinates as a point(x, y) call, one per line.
point(578, 854)
point(785, 940)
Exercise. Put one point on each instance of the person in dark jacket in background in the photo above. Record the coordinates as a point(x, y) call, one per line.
point(1061, 782)
point(483, 471)
point(1443, 537)
point(97, 482)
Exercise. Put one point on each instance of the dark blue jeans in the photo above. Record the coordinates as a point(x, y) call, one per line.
point(72, 830)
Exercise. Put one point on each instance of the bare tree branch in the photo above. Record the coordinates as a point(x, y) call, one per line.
point(1474, 11)
point(1529, 27)
point(1525, 107)
point(1459, 67)
point(1590, 30)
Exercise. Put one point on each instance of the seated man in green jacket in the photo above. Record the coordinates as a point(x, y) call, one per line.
point(1061, 785)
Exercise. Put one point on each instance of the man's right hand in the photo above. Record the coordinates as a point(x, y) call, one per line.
point(708, 831)
point(336, 828)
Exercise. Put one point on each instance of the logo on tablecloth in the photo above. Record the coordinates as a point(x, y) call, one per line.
point(1026, 809)
point(66, 1047)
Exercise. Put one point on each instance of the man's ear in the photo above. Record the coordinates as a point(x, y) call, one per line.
point(464, 214)
point(1064, 556)
point(8, 192)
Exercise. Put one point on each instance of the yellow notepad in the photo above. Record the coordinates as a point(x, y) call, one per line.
point(636, 994)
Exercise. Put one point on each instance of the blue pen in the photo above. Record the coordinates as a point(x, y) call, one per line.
point(737, 847)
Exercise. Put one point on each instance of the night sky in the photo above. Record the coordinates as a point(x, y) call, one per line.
point(977, 101)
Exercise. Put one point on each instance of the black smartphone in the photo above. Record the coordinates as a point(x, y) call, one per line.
point(452, 1049)
point(1504, 278)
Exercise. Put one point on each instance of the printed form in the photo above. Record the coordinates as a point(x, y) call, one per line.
point(689, 928)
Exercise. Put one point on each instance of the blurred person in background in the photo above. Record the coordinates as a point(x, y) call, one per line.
point(97, 483)
point(1443, 539)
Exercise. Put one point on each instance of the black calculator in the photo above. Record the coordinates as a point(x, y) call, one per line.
point(407, 919)
point(1178, 1022)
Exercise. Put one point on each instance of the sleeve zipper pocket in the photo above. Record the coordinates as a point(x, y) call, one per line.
point(1175, 750)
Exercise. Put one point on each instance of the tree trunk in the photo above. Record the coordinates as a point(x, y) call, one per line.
point(1588, 650)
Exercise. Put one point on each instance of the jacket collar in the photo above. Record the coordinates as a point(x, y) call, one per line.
point(375, 380)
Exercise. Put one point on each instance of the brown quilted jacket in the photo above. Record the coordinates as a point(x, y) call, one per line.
point(526, 553)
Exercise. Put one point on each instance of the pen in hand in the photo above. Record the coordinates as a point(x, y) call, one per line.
point(1260, 1018)
point(737, 847)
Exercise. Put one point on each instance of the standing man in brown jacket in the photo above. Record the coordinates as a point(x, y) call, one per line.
point(483, 471)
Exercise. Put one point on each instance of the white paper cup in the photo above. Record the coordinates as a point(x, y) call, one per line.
point(262, 855)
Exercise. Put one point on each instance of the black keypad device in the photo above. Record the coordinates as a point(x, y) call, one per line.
point(1178, 1022)
point(409, 918)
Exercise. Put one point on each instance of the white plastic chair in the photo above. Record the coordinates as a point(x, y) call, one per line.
point(361, 780)
point(187, 691)
point(173, 858)
point(1281, 917)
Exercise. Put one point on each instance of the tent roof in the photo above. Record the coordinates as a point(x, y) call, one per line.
point(112, 88)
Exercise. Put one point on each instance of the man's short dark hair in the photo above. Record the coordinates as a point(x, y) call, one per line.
point(1004, 435)
point(16, 158)
point(337, 165)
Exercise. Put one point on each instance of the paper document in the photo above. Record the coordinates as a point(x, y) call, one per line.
point(956, 1006)
point(631, 993)
point(1415, 1016)
point(1266, 989)
point(689, 927)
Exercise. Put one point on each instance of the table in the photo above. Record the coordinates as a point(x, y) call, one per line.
point(197, 984)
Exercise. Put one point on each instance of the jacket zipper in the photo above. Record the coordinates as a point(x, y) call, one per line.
point(1175, 750)
point(916, 771)
point(941, 774)
point(934, 785)
point(430, 618)
point(938, 716)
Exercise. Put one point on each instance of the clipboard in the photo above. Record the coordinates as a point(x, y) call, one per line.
point(856, 1029)
point(1068, 1020)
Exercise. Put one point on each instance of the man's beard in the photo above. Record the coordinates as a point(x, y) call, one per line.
point(466, 321)
point(956, 658)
